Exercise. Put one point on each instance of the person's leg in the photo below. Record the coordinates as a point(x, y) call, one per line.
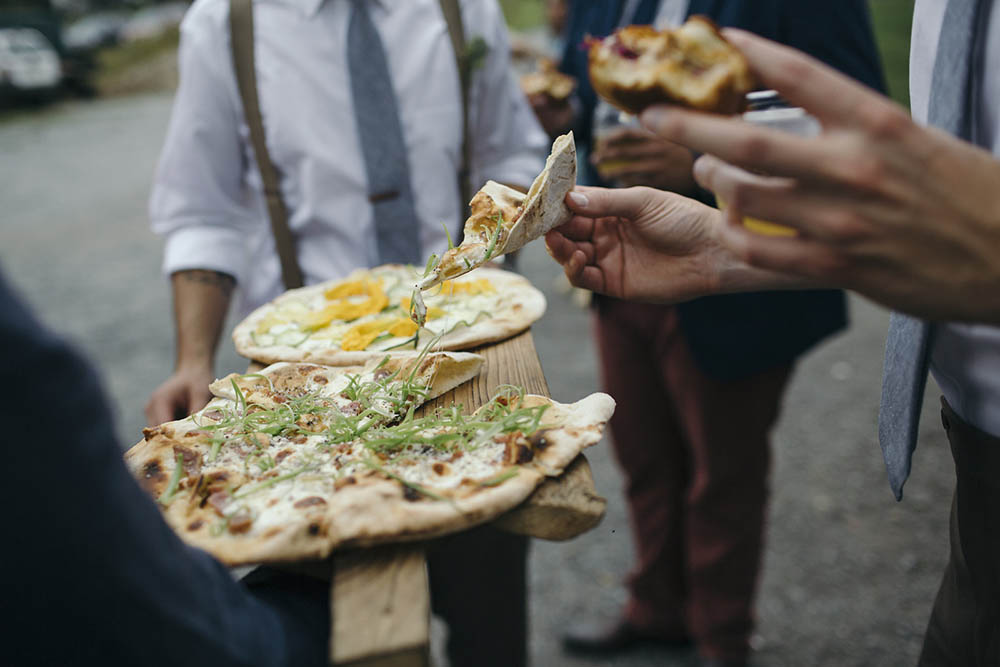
point(948, 638)
point(964, 627)
point(653, 457)
point(727, 425)
point(479, 587)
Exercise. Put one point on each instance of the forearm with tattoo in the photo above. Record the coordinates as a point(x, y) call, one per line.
point(201, 299)
point(223, 281)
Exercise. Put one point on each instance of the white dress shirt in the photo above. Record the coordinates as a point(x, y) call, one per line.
point(965, 359)
point(671, 13)
point(207, 197)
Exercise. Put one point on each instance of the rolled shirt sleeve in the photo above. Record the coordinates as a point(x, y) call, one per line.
point(508, 144)
point(199, 202)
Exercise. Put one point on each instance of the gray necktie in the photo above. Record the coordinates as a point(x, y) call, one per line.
point(908, 343)
point(397, 229)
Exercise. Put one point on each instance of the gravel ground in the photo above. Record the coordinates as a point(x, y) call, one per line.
point(849, 574)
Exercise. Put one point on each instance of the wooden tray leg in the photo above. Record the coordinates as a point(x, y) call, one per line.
point(380, 608)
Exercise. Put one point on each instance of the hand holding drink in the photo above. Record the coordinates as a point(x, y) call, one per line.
point(769, 110)
point(626, 154)
point(616, 151)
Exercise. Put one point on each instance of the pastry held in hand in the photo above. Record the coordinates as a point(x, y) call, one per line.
point(503, 220)
point(693, 66)
point(548, 80)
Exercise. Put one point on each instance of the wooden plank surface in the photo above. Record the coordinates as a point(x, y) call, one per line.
point(512, 361)
point(380, 606)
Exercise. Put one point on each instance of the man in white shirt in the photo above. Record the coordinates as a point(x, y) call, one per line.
point(207, 197)
point(906, 215)
point(208, 203)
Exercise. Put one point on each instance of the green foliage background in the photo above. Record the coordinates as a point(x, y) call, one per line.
point(891, 20)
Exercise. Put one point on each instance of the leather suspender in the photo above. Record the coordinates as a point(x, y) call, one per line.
point(242, 39)
point(241, 34)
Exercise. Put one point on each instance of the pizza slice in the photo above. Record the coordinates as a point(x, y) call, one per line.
point(503, 220)
point(299, 459)
point(214, 472)
point(693, 65)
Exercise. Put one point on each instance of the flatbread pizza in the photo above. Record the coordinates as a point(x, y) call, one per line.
point(299, 459)
point(503, 220)
point(692, 66)
point(366, 315)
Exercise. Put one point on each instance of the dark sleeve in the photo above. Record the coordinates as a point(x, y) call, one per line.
point(595, 18)
point(838, 33)
point(92, 573)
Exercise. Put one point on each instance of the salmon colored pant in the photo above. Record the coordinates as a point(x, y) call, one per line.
point(696, 457)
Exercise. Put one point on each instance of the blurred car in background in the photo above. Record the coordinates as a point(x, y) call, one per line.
point(95, 31)
point(85, 47)
point(153, 21)
point(30, 66)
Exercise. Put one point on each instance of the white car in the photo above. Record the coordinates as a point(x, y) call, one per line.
point(95, 31)
point(153, 21)
point(28, 61)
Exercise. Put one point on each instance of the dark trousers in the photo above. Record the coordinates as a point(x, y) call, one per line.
point(964, 628)
point(695, 453)
point(478, 586)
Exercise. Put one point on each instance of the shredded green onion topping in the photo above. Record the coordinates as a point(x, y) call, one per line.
point(384, 424)
point(448, 234)
point(175, 479)
point(491, 248)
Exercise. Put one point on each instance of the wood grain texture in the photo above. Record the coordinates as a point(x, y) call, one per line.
point(512, 361)
point(561, 508)
point(380, 606)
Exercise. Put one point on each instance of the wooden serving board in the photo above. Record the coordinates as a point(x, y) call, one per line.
point(380, 601)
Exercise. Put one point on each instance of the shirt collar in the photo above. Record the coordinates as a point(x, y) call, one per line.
point(311, 7)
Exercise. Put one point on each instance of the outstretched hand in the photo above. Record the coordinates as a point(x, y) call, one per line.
point(906, 215)
point(647, 245)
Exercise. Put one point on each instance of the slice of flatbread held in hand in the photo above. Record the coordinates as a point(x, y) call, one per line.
point(503, 220)
point(549, 81)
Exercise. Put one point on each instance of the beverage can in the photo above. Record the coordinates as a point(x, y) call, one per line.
point(766, 108)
